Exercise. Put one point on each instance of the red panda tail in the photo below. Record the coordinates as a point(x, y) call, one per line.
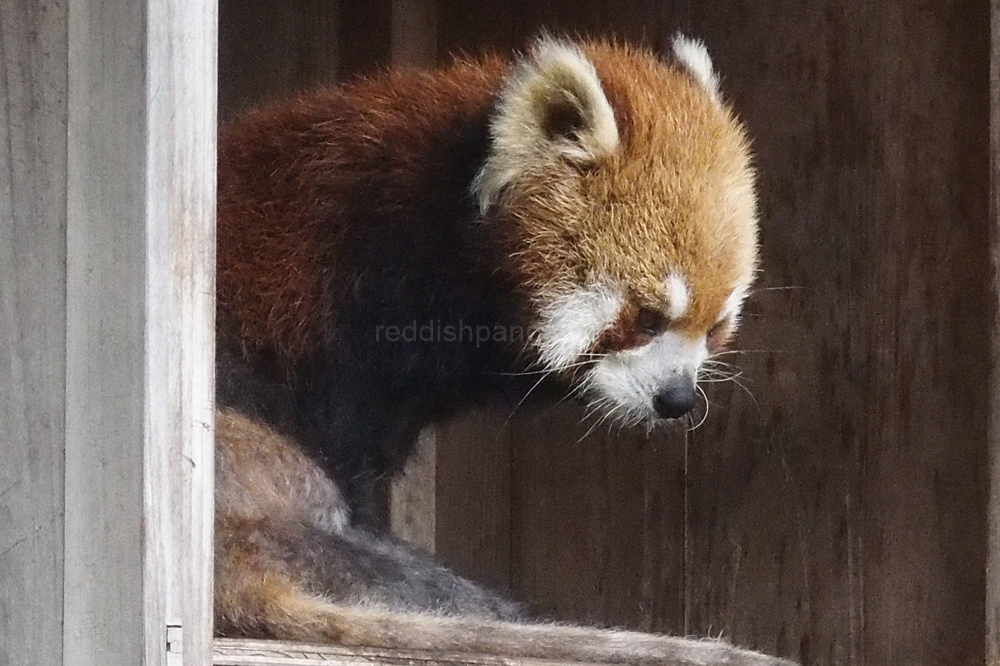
point(256, 596)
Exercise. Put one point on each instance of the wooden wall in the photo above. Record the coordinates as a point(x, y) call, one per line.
point(836, 511)
point(993, 564)
point(107, 199)
point(32, 336)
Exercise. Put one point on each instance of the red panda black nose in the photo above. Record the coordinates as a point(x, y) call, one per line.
point(674, 401)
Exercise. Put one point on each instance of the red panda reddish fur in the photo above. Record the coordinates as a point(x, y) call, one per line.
point(552, 195)
point(287, 173)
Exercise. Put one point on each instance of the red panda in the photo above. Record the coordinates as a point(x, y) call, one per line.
point(397, 249)
point(590, 206)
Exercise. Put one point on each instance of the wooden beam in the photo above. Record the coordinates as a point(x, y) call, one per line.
point(241, 652)
point(32, 328)
point(139, 332)
point(231, 652)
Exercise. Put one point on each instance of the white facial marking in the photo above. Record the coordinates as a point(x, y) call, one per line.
point(678, 295)
point(694, 56)
point(573, 321)
point(631, 379)
point(733, 305)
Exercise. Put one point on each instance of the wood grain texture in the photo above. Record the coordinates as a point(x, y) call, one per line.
point(854, 495)
point(993, 563)
point(268, 49)
point(413, 496)
point(139, 331)
point(32, 328)
point(474, 497)
point(231, 652)
point(598, 521)
point(181, 99)
point(365, 33)
point(414, 32)
point(234, 652)
point(105, 337)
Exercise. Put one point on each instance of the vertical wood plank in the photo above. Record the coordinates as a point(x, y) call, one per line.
point(471, 27)
point(661, 593)
point(846, 521)
point(105, 336)
point(365, 30)
point(181, 100)
point(139, 338)
point(473, 518)
point(993, 562)
point(269, 48)
point(32, 328)
point(414, 32)
point(580, 509)
point(413, 494)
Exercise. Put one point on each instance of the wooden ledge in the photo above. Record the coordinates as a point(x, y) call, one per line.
point(241, 652)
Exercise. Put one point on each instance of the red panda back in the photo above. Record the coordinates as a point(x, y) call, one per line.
point(290, 173)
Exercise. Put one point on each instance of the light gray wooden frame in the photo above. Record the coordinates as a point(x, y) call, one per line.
point(107, 228)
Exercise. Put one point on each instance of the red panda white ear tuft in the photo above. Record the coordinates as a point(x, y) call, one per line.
point(552, 105)
point(693, 55)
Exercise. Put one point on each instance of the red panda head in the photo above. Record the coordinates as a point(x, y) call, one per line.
point(624, 188)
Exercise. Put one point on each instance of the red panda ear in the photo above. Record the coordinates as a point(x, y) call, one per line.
point(551, 105)
point(693, 56)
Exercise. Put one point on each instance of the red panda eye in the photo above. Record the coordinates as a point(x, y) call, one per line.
point(718, 329)
point(650, 322)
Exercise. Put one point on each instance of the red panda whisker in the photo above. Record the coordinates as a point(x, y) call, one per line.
point(730, 352)
point(573, 393)
point(548, 371)
point(523, 398)
point(786, 288)
point(707, 409)
point(589, 430)
point(714, 362)
point(599, 406)
point(594, 408)
point(749, 393)
point(713, 375)
point(577, 391)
